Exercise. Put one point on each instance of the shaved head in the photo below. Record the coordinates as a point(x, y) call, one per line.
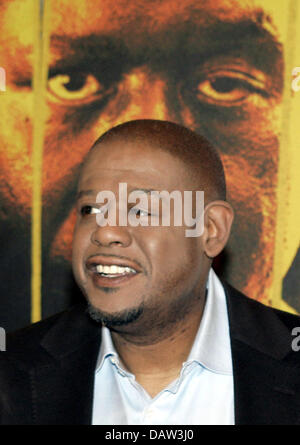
point(171, 267)
point(200, 157)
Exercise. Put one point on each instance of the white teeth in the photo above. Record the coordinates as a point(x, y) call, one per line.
point(114, 269)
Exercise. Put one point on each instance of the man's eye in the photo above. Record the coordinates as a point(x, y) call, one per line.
point(229, 87)
point(140, 212)
point(89, 210)
point(74, 89)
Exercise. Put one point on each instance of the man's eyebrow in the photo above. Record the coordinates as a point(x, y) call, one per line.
point(60, 41)
point(138, 189)
point(224, 34)
point(253, 34)
point(89, 49)
point(243, 39)
point(258, 24)
point(83, 193)
point(92, 192)
point(152, 192)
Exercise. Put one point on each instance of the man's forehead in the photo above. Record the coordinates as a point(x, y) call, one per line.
point(123, 156)
point(138, 178)
point(103, 16)
point(123, 162)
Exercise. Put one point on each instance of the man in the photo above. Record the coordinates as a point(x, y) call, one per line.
point(166, 341)
point(214, 66)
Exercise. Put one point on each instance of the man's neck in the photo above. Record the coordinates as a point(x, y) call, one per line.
point(158, 364)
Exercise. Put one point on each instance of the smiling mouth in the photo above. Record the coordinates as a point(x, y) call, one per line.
point(110, 275)
point(114, 270)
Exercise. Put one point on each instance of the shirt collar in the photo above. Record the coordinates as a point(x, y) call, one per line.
point(211, 347)
point(107, 348)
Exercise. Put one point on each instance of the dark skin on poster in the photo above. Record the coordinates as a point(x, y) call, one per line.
point(154, 312)
point(218, 72)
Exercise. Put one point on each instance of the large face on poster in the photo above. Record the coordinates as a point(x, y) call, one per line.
point(214, 66)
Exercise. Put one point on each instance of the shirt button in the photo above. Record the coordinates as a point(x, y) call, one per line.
point(113, 360)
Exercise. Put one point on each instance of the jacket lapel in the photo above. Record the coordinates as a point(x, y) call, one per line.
point(265, 389)
point(62, 389)
point(266, 371)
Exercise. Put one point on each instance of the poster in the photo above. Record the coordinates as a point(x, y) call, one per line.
point(73, 69)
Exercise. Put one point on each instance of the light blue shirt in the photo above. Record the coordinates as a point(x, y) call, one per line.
point(201, 395)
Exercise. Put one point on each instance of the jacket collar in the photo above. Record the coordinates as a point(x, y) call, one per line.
point(266, 371)
point(256, 325)
point(73, 330)
point(62, 389)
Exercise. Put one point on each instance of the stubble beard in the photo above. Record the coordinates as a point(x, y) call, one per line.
point(116, 319)
point(148, 324)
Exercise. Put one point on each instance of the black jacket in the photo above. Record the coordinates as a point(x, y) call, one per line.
point(47, 371)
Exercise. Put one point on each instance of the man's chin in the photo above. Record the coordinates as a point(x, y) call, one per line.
point(115, 319)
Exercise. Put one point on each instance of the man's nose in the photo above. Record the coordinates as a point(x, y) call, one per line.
point(142, 94)
point(111, 236)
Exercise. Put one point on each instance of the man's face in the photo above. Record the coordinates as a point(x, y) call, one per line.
point(167, 269)
point(213, 66)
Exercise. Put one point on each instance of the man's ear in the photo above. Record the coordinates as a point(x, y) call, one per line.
point(218, 217)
